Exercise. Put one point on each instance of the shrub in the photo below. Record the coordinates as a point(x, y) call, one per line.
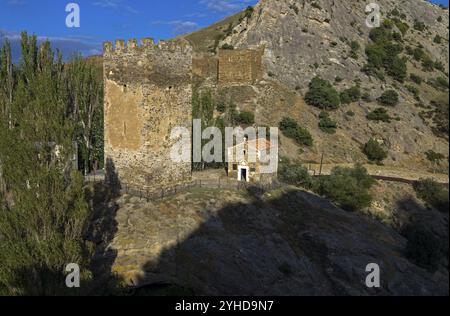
point(379, 114)
point(423, 247)
point(427, 64)
point(402, 26)
point(296, 174)
point(291, 129)
point(350, 95)
point(245, 118)
point(374, 151)
point(350, 113)
point(326, 124)
point(221, 107)
point(418, 54)
point(348, 187)
point(416, 79)
point(397, 69)
point(419, 26)
point(389, 98)
point(366, 97)
point(433, 194)
point(383, 53)
point(227, 46)
point(434, 157)
point(322, 94)
point(249, 12)
point(437, 39)
point(414, 91)
point(439, 83)
point(439, 66)
point(354, 49)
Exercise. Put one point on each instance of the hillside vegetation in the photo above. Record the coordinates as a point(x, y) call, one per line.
point(389, 84)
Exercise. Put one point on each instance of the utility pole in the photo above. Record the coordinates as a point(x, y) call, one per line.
point(321, 164)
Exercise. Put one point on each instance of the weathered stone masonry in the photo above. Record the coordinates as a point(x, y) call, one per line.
point(147, 93)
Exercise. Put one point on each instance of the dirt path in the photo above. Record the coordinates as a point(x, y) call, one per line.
point(384, 171)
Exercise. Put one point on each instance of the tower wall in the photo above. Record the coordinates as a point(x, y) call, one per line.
point(148, 92)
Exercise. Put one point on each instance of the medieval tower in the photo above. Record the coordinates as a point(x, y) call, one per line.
point(148, 92)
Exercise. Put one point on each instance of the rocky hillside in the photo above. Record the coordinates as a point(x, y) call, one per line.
point(287, 242)
point(304, 39)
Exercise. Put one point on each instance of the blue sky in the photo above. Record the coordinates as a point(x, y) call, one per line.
point(110, 19)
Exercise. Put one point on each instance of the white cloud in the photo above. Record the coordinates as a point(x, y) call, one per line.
point(115, 5)
point(17, 2)
point(86, 45)
point(225, 5)
point(179, 26)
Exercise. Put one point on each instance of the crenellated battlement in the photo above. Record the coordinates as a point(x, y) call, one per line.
point(148, 91)
point(122, 46)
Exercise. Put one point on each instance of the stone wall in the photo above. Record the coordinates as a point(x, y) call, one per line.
point(148, 91)
point(229, 67)
point(243, 66)
point(205, 67)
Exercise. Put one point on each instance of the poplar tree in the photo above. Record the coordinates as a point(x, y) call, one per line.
point(43, 211)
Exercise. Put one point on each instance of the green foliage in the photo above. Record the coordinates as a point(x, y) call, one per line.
point(296, 174)
point(354, 49)
point(434, 157)
point(440, 117)
point(348, 187)
point(366, 97)
point(43, 222)
point(245, 117)
point(402, 26)
point(249, 12)
point(415, 91)
point(439, 83)
point(322, 94)
point(440, 66)
point(433, 194)
point(383, 54)
point(85, 97)
point(374, 151)
point(227, 46)
point(437, 39)
point(291, 129)
point(397, 68)
point(389, 98)
point(419, 26)
point(395, 12)
point(350, 95)
point(416, 79)
point(379, 114)
point(427, 64)
point(418, 54)
point(424, 248)
point(326, 124)
point(221, 107)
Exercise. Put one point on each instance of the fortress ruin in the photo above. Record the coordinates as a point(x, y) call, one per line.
point(148, 92)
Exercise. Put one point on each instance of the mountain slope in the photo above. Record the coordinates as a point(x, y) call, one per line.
point(304, 39)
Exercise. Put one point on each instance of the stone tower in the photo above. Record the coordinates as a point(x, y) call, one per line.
point(148, 92)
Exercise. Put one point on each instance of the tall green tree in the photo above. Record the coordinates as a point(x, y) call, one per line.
point(85, 100)
point(43, 212)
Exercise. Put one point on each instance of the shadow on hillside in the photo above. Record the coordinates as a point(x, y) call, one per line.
point(427, 232)
point(101, 231)
point(284, 246)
